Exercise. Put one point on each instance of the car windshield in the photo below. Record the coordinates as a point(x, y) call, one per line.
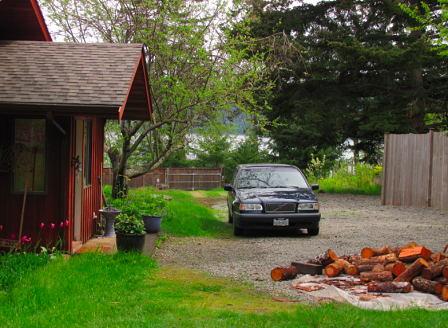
point(271, 177)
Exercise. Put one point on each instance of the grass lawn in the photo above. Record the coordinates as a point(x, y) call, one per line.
point(130, 290)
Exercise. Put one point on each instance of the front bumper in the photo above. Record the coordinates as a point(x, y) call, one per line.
point(262, 221)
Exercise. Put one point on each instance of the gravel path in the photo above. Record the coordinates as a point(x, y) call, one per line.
point(349, 223)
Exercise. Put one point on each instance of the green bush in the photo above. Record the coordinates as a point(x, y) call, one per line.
point(356, 179)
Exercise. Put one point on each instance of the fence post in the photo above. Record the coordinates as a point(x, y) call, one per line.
point(384, 170)
point(431, 151)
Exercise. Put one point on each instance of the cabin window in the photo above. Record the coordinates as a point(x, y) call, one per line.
point(88, 152)
point(30, 156)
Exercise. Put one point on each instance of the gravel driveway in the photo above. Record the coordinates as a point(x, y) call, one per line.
point(349, 223)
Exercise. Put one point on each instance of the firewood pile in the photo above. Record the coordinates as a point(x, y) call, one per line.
point(383, 270)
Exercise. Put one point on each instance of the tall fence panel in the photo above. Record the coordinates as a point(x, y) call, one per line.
point(175, 178)
point(415, 170)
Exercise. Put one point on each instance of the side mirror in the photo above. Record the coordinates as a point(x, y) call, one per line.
point(228, 188)
point(314, 187)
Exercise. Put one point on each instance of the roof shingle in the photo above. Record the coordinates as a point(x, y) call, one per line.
point(58, 73)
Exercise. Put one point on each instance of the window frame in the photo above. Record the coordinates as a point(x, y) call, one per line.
point(43, 192)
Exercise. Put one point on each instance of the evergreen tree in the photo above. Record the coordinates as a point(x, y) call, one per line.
point(352, 69)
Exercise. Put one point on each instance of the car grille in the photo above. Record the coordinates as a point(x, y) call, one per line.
point(280, 207)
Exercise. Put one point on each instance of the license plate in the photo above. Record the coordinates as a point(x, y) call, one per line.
point(281, 222)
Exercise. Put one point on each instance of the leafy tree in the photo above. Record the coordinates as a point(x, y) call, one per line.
point(353, 69)
point(196, 71)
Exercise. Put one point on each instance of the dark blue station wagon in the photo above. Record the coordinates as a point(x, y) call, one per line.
point(271, 196)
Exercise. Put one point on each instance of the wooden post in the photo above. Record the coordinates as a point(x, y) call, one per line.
point(431, 150)
point(384, 170)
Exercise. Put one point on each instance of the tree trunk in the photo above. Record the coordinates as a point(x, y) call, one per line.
point(376, 276)
point(413, 271)
point(369, 252)
point(389, 287)
point(324, 259)
point(283, 273)
point(427, 286)
point(434, 270)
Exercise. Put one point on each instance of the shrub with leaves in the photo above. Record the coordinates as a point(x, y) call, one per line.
point(125, 224)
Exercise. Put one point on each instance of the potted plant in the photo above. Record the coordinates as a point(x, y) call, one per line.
point(152, 208)
point(130, 233)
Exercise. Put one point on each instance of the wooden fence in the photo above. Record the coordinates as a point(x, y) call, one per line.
point(415, 170)
point(175, 178)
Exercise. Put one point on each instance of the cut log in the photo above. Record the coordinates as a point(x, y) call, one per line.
point(372, 260)
point(438, 256)
point(442, 280)
point(388, 287)
point(389, 258)
point(413, 271)
point(378, 268)
point(366, 267)
point(283, 273)
point(427, 286)
point(444, 293)
point(354, 258)
point(399, 249)
point(324, 259)
point(349, 268)
point(396, 268)
point(335, 268)
point(376, 276)
point(368, 252)
point(435, 270)
point(411, 254)
point(308, 268)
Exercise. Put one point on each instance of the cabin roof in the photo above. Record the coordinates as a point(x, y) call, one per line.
point(103, 79)
point(22, 20)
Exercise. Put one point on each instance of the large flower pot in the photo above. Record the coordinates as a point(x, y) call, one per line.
point(130, 242)
point(152, 223)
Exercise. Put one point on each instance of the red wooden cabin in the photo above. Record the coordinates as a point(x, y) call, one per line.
point(55, 98)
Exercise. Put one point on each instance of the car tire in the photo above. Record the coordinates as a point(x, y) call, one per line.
point(237, 231)
point(313, 232)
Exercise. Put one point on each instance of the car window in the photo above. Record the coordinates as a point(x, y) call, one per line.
point(271, 177)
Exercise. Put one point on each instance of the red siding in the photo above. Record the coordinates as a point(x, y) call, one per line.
point(46, 209)
point(91, 195)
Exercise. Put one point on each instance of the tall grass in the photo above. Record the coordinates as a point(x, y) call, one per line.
point(359, 179)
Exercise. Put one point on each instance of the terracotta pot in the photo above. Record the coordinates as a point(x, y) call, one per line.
point(152, 223)
point(130, 242)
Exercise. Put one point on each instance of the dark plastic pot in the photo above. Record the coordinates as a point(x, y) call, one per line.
point(152, 223)
point(130, 242)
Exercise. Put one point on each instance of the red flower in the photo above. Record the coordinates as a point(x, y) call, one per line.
point(52, 226)
point(42, 225)
point(61, 224)
point(1, 227)
point(13, 236)
point(66, 223)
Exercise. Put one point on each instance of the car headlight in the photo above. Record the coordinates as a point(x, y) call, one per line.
point(308, 206)
point(251, 207)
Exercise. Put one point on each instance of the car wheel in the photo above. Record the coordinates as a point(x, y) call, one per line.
point(313, 232)
point(237, 231)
